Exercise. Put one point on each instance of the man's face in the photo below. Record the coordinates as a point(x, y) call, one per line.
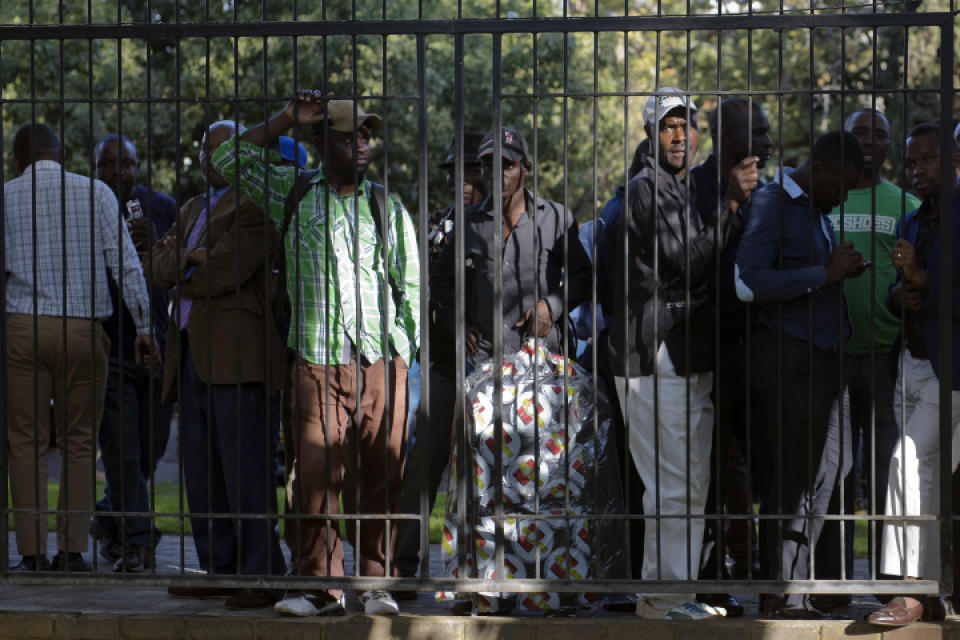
point(831, 184)
point(120, 173)
point(212, 139)
point(748, 136)
point(922, 165)
point(514, 171)
point(338, 149)
point(473, 189)
point(678, 139)
point(873, 132)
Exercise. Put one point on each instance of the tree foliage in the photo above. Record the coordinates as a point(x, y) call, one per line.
point(577, 96)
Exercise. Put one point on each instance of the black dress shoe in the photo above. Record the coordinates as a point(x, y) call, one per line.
point(732, 606)
point(803, 612)
point(111, 550)
point(831, 601)
point(70, 561)
point(934, 609)
point(200, 592)
point(31, 563)
point(251, 599)
point(132, 561)
point(404, 595)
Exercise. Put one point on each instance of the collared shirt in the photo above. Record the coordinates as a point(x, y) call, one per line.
point(73, 247)
point(335, 269)
point(532, 264)
point(781, 265)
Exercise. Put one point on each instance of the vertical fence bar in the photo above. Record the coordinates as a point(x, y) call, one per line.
point(945, 321)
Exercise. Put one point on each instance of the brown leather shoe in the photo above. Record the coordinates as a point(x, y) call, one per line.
point(896, 614)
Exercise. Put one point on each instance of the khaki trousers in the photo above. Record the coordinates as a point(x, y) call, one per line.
point(334, 454)
point(73, 374)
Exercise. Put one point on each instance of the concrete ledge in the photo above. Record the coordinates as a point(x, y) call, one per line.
point(265, 625)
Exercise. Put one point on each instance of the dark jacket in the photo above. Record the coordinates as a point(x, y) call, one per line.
point(161, 209)
point(542, 244)
point(239, 342)
point(781, 261)
point(735, 315)
point(667, 233)
point(907, 228)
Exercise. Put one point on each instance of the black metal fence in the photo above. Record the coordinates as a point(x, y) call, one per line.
point(571, 78)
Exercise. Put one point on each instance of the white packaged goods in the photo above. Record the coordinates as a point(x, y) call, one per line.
point(557, 458)
point(513, 568)
point(510, 448)
point(556, 492)
point(533, 536)
point(539, 601)
point(532, 414)
point(565, 564)
point(526, 475)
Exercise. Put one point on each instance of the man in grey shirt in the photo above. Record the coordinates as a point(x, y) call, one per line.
point(541, 252)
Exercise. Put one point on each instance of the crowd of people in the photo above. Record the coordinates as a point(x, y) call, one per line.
point(752, 336)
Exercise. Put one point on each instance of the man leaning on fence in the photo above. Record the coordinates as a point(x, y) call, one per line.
point(913, 487)
point(136, 422)
point(669, 247)
point(224, 359)
point(355, 330)
point(790, 265)
point(61, 232)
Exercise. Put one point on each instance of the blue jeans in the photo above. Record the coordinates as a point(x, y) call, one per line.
point(133, 437)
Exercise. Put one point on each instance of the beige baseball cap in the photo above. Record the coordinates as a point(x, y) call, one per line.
point(340, 116)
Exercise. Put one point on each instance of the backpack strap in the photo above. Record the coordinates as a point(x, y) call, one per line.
point(300, 188)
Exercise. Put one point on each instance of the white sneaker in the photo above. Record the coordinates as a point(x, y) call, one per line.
point(693, 610)
point(305, 606)
point(297, 605)
point(378, 603)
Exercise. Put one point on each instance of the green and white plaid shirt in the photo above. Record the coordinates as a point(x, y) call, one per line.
point(329, 318)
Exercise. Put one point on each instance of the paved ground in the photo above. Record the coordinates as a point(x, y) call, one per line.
point(103, 612)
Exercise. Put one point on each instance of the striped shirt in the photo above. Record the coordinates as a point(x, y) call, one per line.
point(68, 247)
point(342, 298)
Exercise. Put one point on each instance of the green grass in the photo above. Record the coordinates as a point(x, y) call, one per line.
point(167, 500)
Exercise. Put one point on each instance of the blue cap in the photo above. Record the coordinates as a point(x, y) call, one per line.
point(293, 151)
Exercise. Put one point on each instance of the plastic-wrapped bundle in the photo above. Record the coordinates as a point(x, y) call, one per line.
point(557, 460)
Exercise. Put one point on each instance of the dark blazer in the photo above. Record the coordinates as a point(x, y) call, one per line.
point(243, 334)
point(907, 228)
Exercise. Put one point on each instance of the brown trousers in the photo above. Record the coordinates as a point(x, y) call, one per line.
point(73, 374)
point(335, 456)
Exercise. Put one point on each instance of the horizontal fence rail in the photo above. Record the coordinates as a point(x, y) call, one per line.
point(344, 362)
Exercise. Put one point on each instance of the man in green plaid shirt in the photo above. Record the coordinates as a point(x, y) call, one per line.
point(355, 330)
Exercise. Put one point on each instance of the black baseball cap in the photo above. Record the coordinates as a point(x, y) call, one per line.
point(513, 144)
point(471, 145)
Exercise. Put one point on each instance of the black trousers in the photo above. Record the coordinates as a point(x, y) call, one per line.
point(796, 386)
point(424, 468)
point(226, 441)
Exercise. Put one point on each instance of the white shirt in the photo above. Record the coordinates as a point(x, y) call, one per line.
point(90, 246)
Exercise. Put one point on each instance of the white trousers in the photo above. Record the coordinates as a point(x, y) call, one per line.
point(913, 486)
point(671, 547)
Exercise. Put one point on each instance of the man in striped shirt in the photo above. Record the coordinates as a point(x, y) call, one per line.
point(61, 232)
point(355, 287)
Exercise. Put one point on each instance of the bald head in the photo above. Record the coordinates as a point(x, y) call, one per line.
point(217, 134)
point(873, 132)
point(34, 142)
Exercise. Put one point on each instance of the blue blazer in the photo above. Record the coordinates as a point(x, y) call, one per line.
point(908, 228)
